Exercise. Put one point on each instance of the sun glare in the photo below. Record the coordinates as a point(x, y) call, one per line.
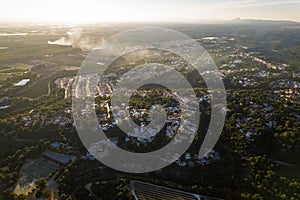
point(90, 11)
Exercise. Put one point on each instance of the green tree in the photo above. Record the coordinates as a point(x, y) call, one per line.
point(41, 183)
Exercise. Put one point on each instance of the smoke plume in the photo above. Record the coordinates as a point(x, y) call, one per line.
point(75, 39)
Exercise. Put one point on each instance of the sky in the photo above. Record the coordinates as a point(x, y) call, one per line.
point(91, 11)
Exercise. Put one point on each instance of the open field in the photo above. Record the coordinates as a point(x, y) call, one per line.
point(4, 76)
point(32, 171)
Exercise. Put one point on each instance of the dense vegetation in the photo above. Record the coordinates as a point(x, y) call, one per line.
point(258, 160)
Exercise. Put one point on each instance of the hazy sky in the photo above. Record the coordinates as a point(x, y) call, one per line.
point(83, 11)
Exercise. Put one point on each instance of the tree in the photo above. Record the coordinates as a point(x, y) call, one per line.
point(65, 197)
point(41, 183)
point(47, 194)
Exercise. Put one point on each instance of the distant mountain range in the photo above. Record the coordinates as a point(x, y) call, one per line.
point(239, 20)
point(246, 21)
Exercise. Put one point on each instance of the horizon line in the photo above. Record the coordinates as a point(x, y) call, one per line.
point(190, 21)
